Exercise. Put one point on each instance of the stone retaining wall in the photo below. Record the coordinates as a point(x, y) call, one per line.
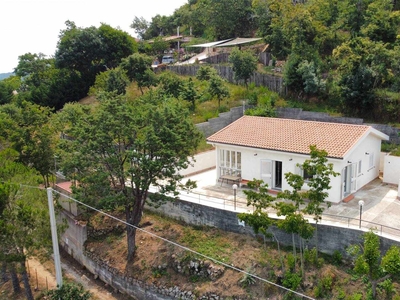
point(331, 239)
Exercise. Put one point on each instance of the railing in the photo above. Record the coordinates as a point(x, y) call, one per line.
point(237, 204)
point(379, 228)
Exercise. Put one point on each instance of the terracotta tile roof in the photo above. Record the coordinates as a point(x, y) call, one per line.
point(290, 135)
point(66, 186)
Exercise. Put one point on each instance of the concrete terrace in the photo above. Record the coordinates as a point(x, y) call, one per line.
point(380, 211)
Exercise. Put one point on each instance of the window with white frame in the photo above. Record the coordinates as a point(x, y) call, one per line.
point(306, 175)
point(230, 162)
point(359, 167)
point(371, 162)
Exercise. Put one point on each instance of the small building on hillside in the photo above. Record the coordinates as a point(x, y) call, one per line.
point(267, 148)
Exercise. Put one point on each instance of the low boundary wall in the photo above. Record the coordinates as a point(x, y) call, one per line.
point(331, 239)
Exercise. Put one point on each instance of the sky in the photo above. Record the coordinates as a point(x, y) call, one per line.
point(34, 25)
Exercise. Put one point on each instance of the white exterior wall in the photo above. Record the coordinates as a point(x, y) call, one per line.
point(371, 144)
point(251, 164)
point(392, 169)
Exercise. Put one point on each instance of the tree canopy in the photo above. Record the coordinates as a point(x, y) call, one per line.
point(120, 148)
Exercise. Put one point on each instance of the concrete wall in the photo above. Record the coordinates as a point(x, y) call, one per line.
point(74, 236)
point(73, 239)
point(330, 238)
point(392, 169)
point(224, 119)
point(201, 162)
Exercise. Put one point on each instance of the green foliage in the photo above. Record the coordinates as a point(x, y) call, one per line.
point(131, 145)
point(244, 64)
point(140, 25)
point(7, 86)
point(217, 88)
point(116, 44)
point(386, 105)
point(117, 81)
point(200, 240)
point(159, 46)
point(291, 280)
point(265, 111)
point(226, 18)
point(91, 50)
point(324, 287)
point(171, 84)
point(369, 261)
point(319, 183)
point(24, 220)
point(27, 129)
point(291, 261)
point(387, 288)
point(312, 82)
point(258, 197)
point(69, 291)
point(205, 73)
point(158, 273)
point(337, 257)
point(311, 256)
point(138, 68)
point(247, 279)
point(189, 93)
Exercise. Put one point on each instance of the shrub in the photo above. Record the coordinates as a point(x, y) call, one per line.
point(291, 280)
point(337, 257)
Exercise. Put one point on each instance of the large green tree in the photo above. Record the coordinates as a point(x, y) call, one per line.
point(138, 69)
point(230, 18)
point(91, 50)
point(7, 88)
point(140, 25)
point(244, 64)
point(120, 149)
point(24, 225)
point(26, 129)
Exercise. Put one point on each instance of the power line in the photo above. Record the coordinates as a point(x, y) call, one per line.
point(164, 239)
point(183, 247)
point(24, 185)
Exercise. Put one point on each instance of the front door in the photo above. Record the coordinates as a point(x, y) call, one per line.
point(349, 180)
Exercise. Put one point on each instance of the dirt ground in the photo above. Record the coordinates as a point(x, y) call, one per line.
point(42, 278)
point(155, 263)
point(241, 251)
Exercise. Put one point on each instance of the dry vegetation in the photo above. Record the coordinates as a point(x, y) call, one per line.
point(325, 278)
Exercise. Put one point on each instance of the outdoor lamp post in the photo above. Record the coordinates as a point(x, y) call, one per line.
point(234, 187)
point(360, 204)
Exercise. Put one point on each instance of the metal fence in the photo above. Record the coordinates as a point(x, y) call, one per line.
point(233, 203)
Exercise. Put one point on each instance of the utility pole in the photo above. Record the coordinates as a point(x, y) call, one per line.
point(56, 251)
point(178, 44)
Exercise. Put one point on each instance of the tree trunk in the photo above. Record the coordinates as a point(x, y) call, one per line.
point(131, 240)
point(374, 284)
point(316, 238)
point(14, 279)
point(301, 257)
point(280, 255)
point(25, 280)
point(294, 253)
point(4, 276)
point(133, 217)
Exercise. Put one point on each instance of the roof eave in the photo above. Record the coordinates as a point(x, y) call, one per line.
point(267, 149)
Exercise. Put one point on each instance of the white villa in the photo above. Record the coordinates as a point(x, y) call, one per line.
point(267, 148)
